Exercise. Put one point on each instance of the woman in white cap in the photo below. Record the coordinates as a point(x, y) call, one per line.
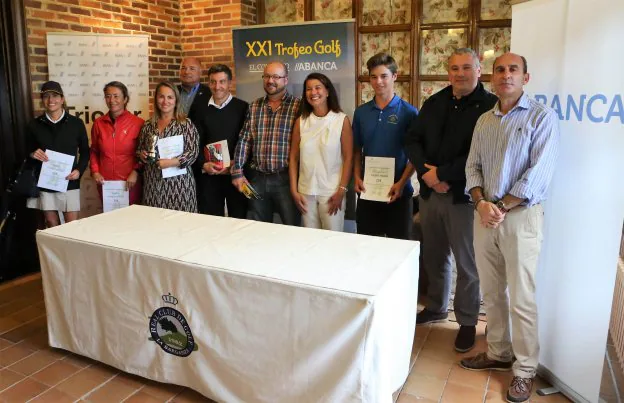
point(56, 130)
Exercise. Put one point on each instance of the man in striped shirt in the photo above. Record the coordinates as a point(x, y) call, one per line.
point(508, 172)
point(266, 135)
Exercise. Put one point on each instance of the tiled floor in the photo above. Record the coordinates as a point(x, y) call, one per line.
point(32, 371)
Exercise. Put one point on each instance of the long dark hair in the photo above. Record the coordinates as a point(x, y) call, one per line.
point(332, 98)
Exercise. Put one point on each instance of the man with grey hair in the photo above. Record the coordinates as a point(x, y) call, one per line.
point(438, 144)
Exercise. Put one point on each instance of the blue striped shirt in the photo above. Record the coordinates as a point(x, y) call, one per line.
point(514, 153)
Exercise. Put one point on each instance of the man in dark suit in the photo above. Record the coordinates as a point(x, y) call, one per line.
point(194, 96)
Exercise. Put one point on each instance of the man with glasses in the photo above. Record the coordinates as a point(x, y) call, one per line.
point(264, 144)
point(438, 144)
point(194, 96)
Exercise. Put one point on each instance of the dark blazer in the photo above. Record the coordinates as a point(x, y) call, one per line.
point(441, 135)
point(199, 102)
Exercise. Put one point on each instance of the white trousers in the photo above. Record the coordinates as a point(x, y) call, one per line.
point(507, 260)
point(318, 215)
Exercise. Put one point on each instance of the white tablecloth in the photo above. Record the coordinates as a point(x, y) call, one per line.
point(238, 310)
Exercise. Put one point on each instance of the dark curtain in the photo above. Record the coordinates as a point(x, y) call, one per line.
point(18, 253)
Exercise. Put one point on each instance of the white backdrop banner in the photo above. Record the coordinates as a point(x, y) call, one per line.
point(83, 64)
point(572, 48)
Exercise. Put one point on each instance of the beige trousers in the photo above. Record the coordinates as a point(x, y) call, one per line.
point(507, 260)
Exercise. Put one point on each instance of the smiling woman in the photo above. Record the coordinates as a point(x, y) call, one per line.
point(114, 140)
point(163, 187)
point(56, 130)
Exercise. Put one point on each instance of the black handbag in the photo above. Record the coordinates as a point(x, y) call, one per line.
point(25, 183)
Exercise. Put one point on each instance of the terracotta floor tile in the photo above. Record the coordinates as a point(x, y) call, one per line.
point(454, 393)
point(34, 362)
point(422, 386)
point(142, 397)
point(26, 330)
point(163, 391)
point(134, 381)
point(8, 323)
point(190, 396)
point(55, 373)
point(37, 341)
point(556, 398)
point(57, 352)
point(5, 343)
point(25, 390)
point(104, 370)
point(442, 336)
point(9, 308)
point(29, 313)
point(439, 353)
point(79, 361)
point(13, 354)
point(8, 378)
point(432, 367)
point(499, 381)
point(473, 379)
point(495, 396)
point(112, 391)
point(53, 395)
point(82, 382)
point(407, 398)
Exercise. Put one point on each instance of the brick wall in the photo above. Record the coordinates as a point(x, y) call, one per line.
point(207, 28)
point(176, 29)
point(159, 18)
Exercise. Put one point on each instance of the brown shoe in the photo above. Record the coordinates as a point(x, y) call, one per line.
point(481, 362)
point(520, 389)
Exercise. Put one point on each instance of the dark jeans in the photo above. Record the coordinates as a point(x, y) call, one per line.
point(274, 190)
point(214, 191)
point(393, 220)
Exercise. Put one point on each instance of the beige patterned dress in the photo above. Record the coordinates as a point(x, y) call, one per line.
point(178, 192)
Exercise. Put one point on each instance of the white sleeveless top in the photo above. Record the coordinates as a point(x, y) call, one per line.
point(320, 158)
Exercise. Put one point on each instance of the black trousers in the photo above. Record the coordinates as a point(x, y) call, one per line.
point(214, 191)
point(392, 220)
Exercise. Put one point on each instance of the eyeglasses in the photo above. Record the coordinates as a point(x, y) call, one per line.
point(275, 77)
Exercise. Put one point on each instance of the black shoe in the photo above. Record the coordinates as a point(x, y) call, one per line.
point(426, 316)
point(465, 339)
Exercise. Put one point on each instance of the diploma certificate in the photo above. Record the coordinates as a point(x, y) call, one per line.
point(378, 178)
point(171, 147)
point(55, 170)
point(114, 195)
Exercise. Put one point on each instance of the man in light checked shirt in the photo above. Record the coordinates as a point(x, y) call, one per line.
point(510, 165)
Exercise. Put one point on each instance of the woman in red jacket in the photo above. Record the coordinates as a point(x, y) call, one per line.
point(114, 139)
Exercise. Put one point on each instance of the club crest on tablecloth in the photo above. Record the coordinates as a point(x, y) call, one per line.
point(170, 329)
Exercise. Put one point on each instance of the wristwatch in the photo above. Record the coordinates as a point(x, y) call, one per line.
point(501, 206)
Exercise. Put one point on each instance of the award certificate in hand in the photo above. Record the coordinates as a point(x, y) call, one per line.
point(115, 195)
point(171, 147)
point(55, 170)
point(378, 178)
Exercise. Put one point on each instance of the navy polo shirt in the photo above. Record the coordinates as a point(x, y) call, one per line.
point(381, 132)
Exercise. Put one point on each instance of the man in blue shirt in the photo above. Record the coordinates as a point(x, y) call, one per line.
point(379, 130)
point(511, 162)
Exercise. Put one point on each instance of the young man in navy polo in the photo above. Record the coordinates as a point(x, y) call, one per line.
point(379, 129)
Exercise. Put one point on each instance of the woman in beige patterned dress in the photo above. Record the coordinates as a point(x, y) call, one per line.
point(177, 192)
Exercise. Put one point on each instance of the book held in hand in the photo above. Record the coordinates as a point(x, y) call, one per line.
point(218, 153)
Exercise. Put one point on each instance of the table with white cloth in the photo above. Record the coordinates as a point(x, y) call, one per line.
point(238, 310)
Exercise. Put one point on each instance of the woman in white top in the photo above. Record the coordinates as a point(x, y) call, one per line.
point(321, 154)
